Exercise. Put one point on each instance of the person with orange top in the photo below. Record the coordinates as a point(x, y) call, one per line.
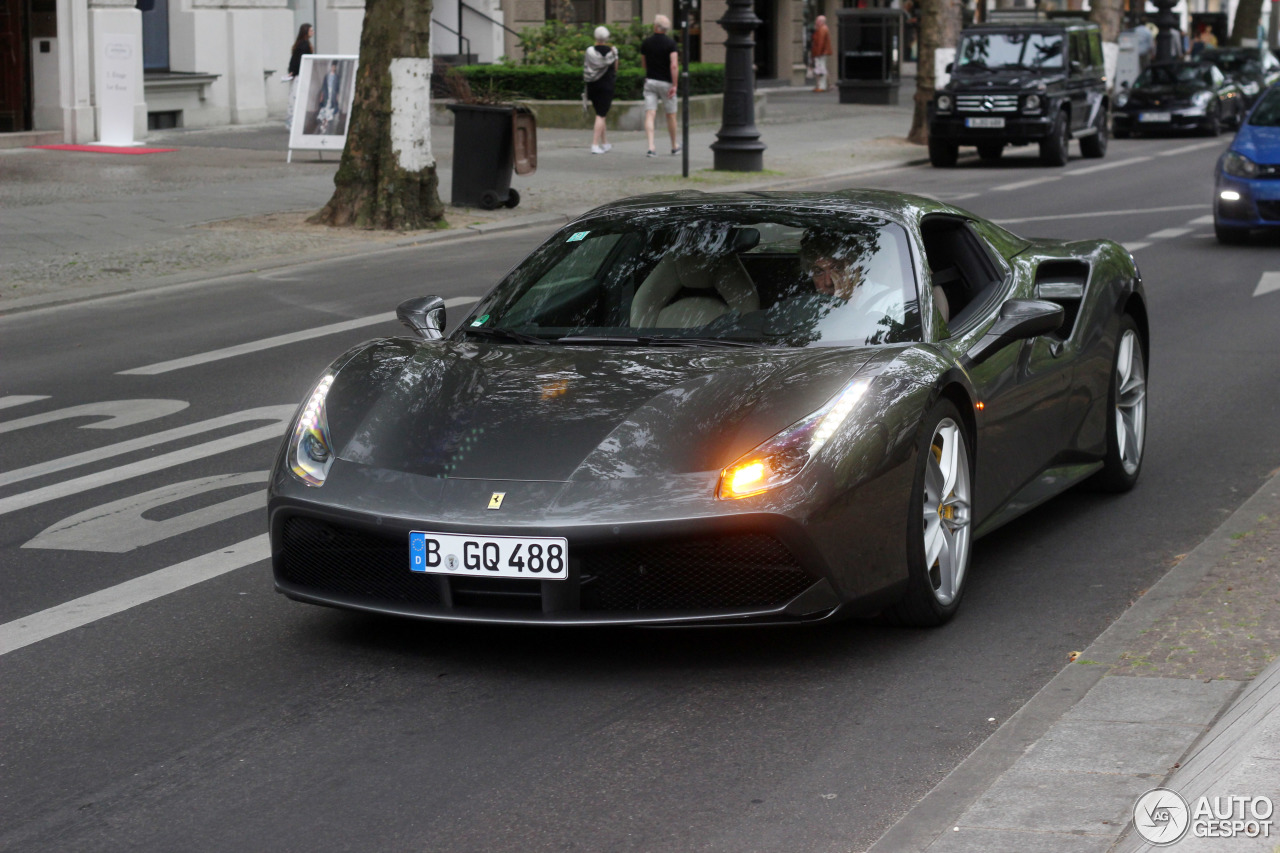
point(820, 49)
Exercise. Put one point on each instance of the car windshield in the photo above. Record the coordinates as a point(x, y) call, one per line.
point(1170, 75)
point(995, 51)
point(710, 275)
point(1234, 63)
point(1267, 112)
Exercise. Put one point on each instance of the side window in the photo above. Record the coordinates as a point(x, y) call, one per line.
point(1095, 49)
point(1079, 52)
point(962, 270)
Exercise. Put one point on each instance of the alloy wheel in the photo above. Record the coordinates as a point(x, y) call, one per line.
point(946, 511)
point(1131, 401)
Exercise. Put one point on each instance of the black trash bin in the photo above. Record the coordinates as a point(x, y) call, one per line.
point(483, 156)
point(870, 54)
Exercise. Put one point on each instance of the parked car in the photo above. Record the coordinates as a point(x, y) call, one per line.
point(1253, 70)
point(1246, 192)
point(1018, 84)
point(719, 409)
point(1182, 95)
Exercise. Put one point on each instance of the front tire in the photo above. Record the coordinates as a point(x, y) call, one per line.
point(1095, 146)
point(938, 528)
point(1127, 409)
point(943, 154)
point(1054, 147)
point(1213, 124)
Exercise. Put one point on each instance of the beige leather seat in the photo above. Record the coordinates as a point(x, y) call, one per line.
point(940, 302)
point(723, 281)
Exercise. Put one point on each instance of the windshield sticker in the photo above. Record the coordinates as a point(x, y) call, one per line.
point(576, 237)
point(481, 321)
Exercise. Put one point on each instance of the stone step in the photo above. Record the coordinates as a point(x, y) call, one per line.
point(28, 138)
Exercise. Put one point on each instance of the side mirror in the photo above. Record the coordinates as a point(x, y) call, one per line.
point(1019, 319)
point(423, 314)
point(950, 67)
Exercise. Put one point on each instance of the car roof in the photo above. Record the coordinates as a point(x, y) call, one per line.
point(902, 208)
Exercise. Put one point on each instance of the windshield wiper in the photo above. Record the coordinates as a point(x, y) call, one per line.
point(498, 333)
point(623, 340)
point(654, 341)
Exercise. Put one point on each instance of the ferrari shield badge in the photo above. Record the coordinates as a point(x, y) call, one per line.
point(495, 501)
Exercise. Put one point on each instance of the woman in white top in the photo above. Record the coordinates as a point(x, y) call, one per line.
point(599, 70)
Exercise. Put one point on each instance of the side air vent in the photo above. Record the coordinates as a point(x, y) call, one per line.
point(1063, 282)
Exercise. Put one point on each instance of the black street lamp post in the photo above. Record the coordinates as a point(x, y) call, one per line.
point(1168, 40)
point(738, 147)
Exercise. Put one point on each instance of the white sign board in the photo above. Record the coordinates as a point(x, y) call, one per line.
point(322, 111)
point(117, 88)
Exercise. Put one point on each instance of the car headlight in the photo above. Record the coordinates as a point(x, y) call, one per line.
point(781, 458)
point(310, 450)
point(1238, 165)
point(1031, 104)
point(945, 103)
point(1122, 99)
point(1202, 99)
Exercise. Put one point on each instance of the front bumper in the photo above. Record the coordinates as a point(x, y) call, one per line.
point(1182, 118)
point(1257, 207)
point(1018, 129)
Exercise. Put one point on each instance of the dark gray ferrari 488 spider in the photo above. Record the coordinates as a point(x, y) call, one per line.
point(717, 409)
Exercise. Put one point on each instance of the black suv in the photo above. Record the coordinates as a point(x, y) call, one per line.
point(1013, 84)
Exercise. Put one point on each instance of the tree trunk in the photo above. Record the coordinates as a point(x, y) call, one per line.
point(939, 27)
point(1248, 15)
point(387, 178)
point(1107, 15)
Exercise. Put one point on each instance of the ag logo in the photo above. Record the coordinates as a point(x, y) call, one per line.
point(1161, 816)
point(495, 501)
point(988, 105)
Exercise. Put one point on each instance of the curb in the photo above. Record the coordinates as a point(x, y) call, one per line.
point(942, 807)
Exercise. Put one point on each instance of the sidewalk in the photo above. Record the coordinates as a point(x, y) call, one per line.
point(76, 223)
point(1170, 695)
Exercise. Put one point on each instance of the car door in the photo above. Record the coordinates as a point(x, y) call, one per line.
point(1078, 65)
point(1023, 388)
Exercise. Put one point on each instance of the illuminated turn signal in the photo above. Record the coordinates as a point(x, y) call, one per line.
point(744, 479)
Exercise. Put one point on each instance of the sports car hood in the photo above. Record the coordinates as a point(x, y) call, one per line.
point(481, 411)
point(1171, 94)
point(1259, 144)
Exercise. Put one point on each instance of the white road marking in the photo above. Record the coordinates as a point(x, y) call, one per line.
point(98, 605)
point(1091, 215)
point(276, 341)
point(278, 414)
point(1027, 183)
point(1199, 146)
point(270, 432)
point(118, 413)
point(1168, 233)
point(1207, 219)
point(1102, 167)
point(1133, 247)
point(20, 400)
point(119, 527)
point(1269, 283)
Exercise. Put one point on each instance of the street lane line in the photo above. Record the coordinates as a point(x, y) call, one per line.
point(272, 432)
point(1199, 146)
point(1168, 233)
point(279, 414)
point(1130, 212)
point(1207, 219)
point(1269, 283)
point(98, 605)
point(1133, 247)
point(1027, 183)
point(20, 399)
point(276, 341)
point(118, 413)
point(1102, 167)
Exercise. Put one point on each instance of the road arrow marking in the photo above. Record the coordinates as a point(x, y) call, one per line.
point(99, 605)
point(118, 413)
point(1269, 283)
point(20, 399)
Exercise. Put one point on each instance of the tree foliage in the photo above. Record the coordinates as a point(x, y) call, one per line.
point(371, 188)
point(558, 43)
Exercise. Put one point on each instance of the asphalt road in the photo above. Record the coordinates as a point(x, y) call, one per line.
point(218, 715)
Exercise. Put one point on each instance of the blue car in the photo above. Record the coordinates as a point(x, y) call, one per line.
point(1247, 186)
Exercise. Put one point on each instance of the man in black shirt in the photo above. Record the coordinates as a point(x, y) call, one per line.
point(658, 56)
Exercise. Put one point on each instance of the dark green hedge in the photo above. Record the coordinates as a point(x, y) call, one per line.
point(564, 83)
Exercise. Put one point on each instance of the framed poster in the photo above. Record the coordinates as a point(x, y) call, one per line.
point(322, 111)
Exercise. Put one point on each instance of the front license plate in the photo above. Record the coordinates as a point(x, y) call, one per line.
point(530, 557)
point(1155, 117)
point(984, 122)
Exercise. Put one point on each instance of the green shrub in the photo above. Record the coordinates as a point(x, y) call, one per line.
point(556, 43)
point(564, 82)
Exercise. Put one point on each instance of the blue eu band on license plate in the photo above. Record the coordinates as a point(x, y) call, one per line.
point(528, 557)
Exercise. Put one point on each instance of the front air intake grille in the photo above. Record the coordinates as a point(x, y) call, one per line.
point(1269, 210)
point(718, 573)
point(987, 103)
point(323, 558)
